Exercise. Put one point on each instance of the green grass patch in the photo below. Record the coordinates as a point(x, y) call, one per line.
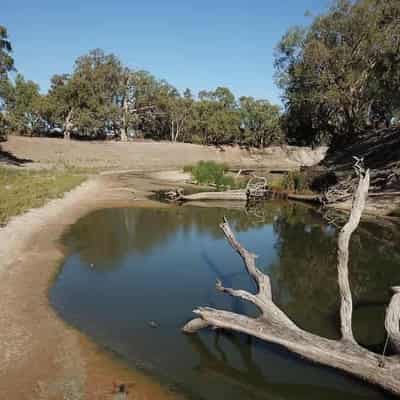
point(21, 190)
point(211, 173)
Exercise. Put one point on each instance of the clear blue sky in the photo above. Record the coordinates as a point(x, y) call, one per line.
point(200, 44)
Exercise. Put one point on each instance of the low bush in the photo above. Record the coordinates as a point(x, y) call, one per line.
point(293, 181)
point(211, 173)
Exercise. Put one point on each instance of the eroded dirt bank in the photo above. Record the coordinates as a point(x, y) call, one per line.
point(42, 358)
point(148, 155)
point(380, 150)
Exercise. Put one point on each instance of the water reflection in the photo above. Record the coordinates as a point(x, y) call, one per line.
point(129, 266)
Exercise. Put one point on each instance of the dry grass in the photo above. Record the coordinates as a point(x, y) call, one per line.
point(21, 190)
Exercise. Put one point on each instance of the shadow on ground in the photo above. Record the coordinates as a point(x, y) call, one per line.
point(10, 159)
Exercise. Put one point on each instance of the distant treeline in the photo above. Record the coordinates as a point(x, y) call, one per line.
point(102, 98)
point(338, 76)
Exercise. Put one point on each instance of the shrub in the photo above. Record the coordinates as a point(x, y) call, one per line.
point(188, 168)
point(294, 181)
point(210, 173)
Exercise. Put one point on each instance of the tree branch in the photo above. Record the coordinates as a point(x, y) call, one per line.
point(276, 327)
point(392, 318)
point(262, 281)
point(346, 304)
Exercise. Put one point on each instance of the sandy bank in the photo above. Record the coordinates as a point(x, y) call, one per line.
point(42, 358)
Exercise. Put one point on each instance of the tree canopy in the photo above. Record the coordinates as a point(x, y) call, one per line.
point(6, 65)
point(342, 73)
point(339, 76)
point(101, 98)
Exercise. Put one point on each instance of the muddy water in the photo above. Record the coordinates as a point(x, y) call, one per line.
point(133, 276)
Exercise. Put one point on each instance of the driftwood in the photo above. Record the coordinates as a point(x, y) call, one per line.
point(274, 326)
point(241, 195)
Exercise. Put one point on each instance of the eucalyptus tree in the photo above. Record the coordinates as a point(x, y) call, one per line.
point(97, 79)
point(179, 110)
point(25, 106)
point(216, 118)
point(87, 101)
point(346, 61)
point(63, 101)
point(146, 104)
point(6, 65)
point(157, 122)
point(6, 60)
point(260, 122)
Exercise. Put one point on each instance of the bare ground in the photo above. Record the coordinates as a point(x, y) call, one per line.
point(40, 357)
point(148, 155)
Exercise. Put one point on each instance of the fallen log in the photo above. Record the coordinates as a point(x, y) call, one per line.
point(311, 198)
point(242, 195)
point(239, 195)
point(274, 326)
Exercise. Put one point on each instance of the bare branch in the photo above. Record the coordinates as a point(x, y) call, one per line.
point(262, 281)
point(346, 304)
point(276, 327)
point(241, 294)
point(194, 325)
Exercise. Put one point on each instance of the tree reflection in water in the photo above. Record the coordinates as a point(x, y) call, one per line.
point(185, 244)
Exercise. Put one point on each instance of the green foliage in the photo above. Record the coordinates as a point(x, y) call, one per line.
point(210, 172)
point(342, 73)
point(260, 122)
point(25, 106)
point(101, 97)
point(215, 118)
point(6, 61)
point(188, 168)
point(293, 181)
point(6, 65)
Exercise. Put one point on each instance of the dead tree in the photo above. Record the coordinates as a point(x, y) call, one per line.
point(273, 325)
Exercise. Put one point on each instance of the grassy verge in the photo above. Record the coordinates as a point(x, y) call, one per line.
point(21, 190)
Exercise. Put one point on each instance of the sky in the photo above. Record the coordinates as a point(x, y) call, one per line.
point(200, 44)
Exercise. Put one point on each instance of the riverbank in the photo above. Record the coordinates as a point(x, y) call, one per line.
point(40, 356)
point(379, 150)
point(42, 153)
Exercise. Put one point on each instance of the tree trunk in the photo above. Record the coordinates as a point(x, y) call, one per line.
point(125, 111)
point(124, 135)
point(177, 131)
point(68, 124)
point(172, 131)
point(274, 326)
